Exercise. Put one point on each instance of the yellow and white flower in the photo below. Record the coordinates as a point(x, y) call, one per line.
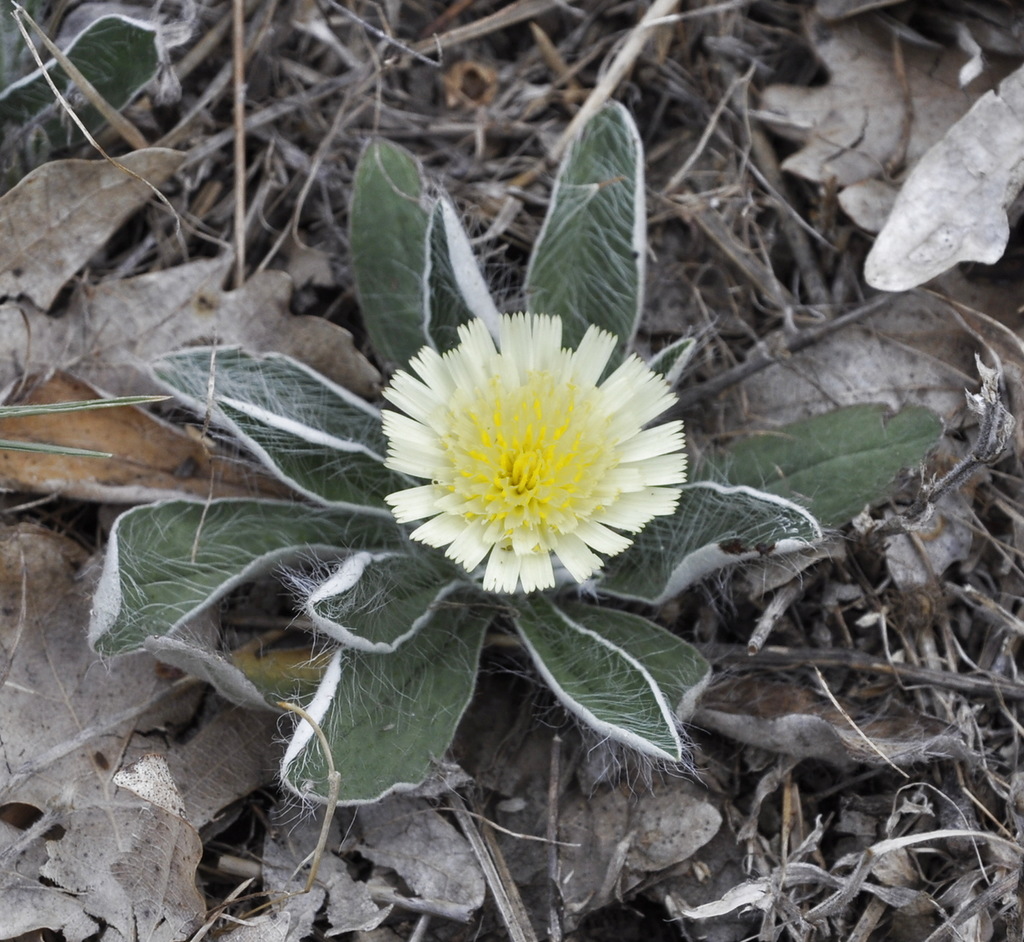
point(527, 454)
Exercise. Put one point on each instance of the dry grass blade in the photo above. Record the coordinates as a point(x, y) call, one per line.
point(517, 12)
point(506, 895)
point(849, 719)
point(118, 121)
point(617, 69)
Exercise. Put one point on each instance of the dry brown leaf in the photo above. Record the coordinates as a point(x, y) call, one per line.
point(151, 779)
point(716, 879)
point(152, 459)
point(140, 879)
point(30, 907)
point(916, 560)
point(137, 319)
point(911, 352)
point(114, 329)
point(233, 754)
point(265, 927)
point(868, 203)
point(952, 207)
point(795, 721)
point(410, 837)
point(982, 313)
point(620, 839)
point(166, 847)
point(307, 265)
point(349, 903)
point(66, 724)
point(855, 127)
point(57, 217)
point(326, 347)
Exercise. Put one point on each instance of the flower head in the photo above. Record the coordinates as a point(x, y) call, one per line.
point(527, 454)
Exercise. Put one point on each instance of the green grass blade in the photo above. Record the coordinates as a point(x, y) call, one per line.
point(39, 449)
point(79, 405)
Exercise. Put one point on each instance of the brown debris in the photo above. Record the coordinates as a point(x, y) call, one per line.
point(857, 777)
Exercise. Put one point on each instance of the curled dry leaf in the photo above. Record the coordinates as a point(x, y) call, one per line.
point(757, 893)
point(952, 208)
point(855, 127)
point(151, 459)
point(917, 560)
point(349, 902)
point(410, 837)
point(795, 721)
point(469, 84)
point(613, 841)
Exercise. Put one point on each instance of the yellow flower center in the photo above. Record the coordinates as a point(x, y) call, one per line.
point(527, 458)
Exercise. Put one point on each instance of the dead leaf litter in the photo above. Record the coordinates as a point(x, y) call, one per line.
point(857, 778)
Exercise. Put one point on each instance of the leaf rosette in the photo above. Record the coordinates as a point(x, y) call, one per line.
point(540, 472)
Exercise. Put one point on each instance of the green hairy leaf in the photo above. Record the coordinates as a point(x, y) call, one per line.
point(677, 667)
point(377, 601)
point(15, 59)
point(839, 463)
point(413, 265)
point(151, 581)
point(318, 437)
point(713, 526)
point(118, 55)
point(388, 220)
point(588, 264)
point(391, 717)
point(456, 291)
point(579, 653)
